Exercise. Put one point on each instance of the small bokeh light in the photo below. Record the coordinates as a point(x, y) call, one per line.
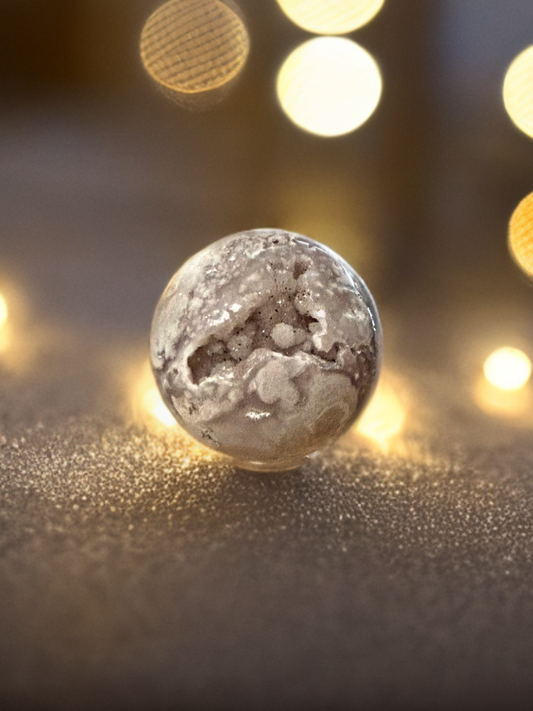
point(149, 410)
point(147, 403)
point(4, 331)
point(507, 369)
point(3, 311)
point(521, 235)
point(509, 404)
point(518, 91)
point(334, 17)
point(384, 418)
point(329, 86)
point(512, 405)
point(193, 48)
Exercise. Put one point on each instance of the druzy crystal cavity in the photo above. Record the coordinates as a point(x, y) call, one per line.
point(266, 346)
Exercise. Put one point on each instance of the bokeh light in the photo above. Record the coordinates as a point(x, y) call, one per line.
point(148, 409)
point(194, 47)
point(153, 404)
point(4, 331)
point(521, 235)
point(329, 86)
point(509, 404)
point(334, 17)
point(385, 415)
point(3, 311)
point(507, 368)
point(518, 91)
point(148, 404)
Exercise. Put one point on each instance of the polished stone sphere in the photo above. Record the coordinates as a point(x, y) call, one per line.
point(266, 346)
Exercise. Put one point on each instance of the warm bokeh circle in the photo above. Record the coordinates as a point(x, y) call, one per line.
point(331, 17)
point(194, 46)
point(518, 91)
point(329, 86)
point(521, 235)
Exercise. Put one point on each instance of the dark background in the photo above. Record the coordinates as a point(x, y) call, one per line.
point(137, 573)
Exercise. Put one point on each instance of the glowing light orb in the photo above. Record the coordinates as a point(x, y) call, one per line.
point(329, 86)
point(194, 46)
point(5, 339)
point(521, 235)
point(3, 311)
point(507, 369)
point(334, 17)
point(384, 417)
point(511, 404)
point(153, 404)
point(518, 91)
point(147, 403)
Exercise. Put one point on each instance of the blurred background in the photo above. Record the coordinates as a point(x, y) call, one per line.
point(108, 184)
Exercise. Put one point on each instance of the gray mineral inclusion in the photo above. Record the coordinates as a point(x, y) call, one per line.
point(266, 346)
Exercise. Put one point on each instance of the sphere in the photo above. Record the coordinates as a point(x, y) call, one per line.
point(266, 346)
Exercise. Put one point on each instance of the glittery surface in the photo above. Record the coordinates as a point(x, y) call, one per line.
point(266, 346)
point(141, 572)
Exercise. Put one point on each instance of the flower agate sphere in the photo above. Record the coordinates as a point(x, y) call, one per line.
point(266, 346)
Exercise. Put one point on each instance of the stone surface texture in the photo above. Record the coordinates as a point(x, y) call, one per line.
point(266, 346)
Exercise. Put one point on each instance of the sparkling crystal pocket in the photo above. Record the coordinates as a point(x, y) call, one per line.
point(266, 346)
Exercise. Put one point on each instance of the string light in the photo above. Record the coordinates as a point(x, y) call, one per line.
point(518, 91)
point(521, 235)
point(507, 369)
point(329, 86)
point(192, 47)
point(335, 17)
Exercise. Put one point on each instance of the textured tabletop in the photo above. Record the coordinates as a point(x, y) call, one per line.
point(139, 572)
